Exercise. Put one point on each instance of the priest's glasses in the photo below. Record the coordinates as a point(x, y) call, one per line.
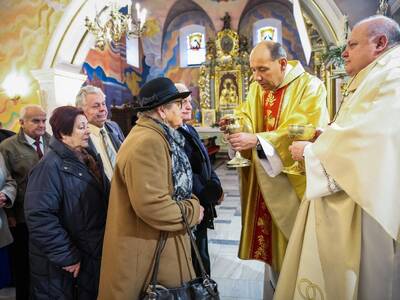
point(234, 124)
point(299, 133)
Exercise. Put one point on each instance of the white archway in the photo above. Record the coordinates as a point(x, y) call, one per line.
point(327, 17)
point(71, 42)
point(60, 77)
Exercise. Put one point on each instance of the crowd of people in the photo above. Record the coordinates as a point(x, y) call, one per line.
point(82, 211)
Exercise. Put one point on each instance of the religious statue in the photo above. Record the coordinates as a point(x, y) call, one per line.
point(227, 21)
point(243, 44)
point(383, 8)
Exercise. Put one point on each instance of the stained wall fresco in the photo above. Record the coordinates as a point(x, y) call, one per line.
point(25, 31)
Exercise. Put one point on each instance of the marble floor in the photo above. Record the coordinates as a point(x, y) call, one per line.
point(236, 278)
point(7, 294)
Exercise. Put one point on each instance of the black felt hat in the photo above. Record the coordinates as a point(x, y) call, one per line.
point(157, 92)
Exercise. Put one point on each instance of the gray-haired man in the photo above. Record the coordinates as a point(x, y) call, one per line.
point(105, 135)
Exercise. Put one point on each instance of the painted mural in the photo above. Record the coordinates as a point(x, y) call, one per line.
point(290, 36)
point(25, 31)
point(170, 48)
point(110, 71)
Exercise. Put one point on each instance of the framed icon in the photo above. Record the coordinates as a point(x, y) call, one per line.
point(208, 117)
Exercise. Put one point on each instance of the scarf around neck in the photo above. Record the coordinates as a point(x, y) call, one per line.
point(181, 169)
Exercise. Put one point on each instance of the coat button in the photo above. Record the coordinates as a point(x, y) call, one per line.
point(80, 174)
point(65, 168)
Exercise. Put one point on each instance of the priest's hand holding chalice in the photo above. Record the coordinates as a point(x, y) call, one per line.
point(233, 124)
point(299, 133)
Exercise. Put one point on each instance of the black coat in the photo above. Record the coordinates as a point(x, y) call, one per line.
point(206, 184)
point(65, 210)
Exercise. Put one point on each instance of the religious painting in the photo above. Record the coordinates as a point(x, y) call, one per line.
point(208, 117)
point(267, 33)
point(194, 40)
point(196, 52)
point(228, 89)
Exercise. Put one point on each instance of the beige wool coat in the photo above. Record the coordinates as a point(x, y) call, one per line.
point(140, 207)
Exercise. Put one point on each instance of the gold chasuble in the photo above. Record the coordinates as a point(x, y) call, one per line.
point(270, 205)
point(327, 256)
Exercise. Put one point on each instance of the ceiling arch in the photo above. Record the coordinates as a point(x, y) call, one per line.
point(71, 42)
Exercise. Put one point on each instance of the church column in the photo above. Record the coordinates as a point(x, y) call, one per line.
point(59, 85)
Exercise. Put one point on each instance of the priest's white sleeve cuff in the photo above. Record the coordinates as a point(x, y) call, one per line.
point(272, 164)
point(319, 183)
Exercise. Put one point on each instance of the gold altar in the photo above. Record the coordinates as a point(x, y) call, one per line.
point(224, 77)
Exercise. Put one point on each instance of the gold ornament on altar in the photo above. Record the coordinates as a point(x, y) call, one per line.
point(224, 77)
point(116, 24)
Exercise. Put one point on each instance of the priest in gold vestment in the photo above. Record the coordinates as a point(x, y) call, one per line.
point(283, 94)
point(344, 244)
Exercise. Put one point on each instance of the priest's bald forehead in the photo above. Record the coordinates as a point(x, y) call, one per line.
point(275, 50)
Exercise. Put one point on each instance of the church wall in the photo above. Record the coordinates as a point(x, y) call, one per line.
point(25, 31)
point(110, 71)
point(170, 49)
point(290, 37)
point(357, 9)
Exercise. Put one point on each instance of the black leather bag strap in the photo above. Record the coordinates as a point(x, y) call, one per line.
point(160, 247)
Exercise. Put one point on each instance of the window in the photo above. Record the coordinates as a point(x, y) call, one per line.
point(132, 51)
point(267, 30)
point(192, 45)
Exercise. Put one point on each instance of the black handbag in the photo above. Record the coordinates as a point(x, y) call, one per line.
point(203, 287)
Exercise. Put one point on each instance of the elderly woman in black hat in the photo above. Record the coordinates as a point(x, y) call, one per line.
point(151, 175)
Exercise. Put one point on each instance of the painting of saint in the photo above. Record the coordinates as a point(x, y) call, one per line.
point(228, 91)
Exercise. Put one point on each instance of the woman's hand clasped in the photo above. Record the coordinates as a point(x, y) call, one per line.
point(74, 269)
point(3, 200)
point(201, 215)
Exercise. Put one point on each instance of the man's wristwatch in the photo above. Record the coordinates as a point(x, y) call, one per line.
point(258, 146)
point(260, 151)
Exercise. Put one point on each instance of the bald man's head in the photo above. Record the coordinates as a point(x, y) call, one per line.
point(275, 50)
point(33, 121)
point(381, 25)
point(368, 40)
point(268, 63)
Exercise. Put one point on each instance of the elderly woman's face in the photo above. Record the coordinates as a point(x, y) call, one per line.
point(79, 137)
point(173, 113)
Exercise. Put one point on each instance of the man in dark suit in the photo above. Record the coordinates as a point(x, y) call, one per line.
point(105, 135)
point(4, 133)
point(21, 153)
point(206, 184)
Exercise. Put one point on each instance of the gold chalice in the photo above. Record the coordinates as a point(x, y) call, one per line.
point(234, 124)
point(299, 133)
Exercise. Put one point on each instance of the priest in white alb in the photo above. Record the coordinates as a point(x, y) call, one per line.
point(344, 244)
